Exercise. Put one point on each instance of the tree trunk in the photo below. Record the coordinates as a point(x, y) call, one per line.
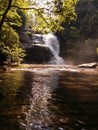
point(5, 13)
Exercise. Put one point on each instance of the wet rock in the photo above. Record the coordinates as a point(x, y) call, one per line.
point(1, 95)
point(89, 65)
point(37, 54)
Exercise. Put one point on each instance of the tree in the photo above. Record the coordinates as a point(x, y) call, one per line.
point(9, 38)
point(5, 12)
point(44, 16)
point(50, 14)
point(87, 18)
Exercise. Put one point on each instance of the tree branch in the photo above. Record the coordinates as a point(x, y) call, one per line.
point(32, 8)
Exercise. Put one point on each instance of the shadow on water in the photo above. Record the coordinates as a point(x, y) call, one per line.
point(47, 99)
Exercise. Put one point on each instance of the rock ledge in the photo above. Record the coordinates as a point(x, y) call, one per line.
point(89, 65)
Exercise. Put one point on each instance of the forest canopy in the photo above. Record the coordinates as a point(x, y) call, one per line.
point(40, 16)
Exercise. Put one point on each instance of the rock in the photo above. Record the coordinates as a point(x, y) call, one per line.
point(1, 95)
point(89, 65)
point(37, 54)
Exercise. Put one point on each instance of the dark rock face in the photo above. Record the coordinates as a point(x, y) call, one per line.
point(28, 40)
point(37, 54)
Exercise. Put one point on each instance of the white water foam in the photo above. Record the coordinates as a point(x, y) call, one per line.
point(52, 43)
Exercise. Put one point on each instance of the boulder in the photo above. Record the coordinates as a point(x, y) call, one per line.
point(89, 65)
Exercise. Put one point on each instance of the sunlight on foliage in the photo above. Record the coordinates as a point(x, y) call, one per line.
point(15, 54)
point(9, 38)
point(50, 14)
point(31, 15)
point(9, 42)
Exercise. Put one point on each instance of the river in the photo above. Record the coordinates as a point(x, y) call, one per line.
point(48, 99)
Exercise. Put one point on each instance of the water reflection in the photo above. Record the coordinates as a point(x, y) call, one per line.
point(10, 106)
point(48, 99)
point(38, 116)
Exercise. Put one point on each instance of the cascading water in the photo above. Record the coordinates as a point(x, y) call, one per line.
point(52, 43)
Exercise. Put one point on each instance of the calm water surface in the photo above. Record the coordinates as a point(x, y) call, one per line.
point(47, 99)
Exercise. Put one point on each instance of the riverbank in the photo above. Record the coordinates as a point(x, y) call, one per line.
point(69, 68)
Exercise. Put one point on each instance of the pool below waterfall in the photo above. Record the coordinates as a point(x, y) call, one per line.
point(48, 99)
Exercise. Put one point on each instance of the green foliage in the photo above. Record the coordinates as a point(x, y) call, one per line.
point(27, 14)
point(9, 42)
point(65, 10)
point(14, 54)
point(87, 20)
point(50, 16)
point(86, 24)
point(8, 36)
point(9, 39)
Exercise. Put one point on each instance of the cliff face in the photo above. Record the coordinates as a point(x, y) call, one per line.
point(34, 53)
point(37, 54)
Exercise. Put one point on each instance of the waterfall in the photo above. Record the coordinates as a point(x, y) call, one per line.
point(52, 43)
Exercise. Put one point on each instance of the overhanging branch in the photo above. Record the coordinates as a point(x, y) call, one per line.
point(32, 8)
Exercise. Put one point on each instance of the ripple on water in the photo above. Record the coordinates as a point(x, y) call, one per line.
point(49, 99)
